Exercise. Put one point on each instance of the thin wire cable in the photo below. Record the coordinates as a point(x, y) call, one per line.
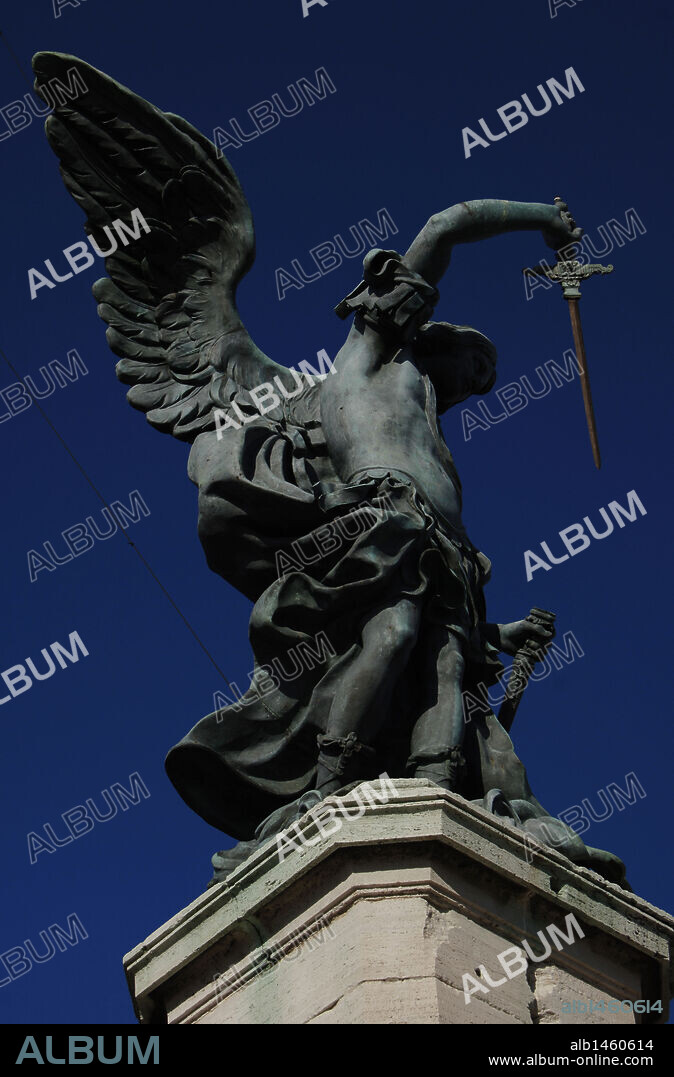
point(15, 58)
point(101, 498)
point(90, 481)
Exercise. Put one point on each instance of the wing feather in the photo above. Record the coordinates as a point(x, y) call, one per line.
point(169, 300)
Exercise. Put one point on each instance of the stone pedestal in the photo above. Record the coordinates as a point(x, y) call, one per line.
point(411, 911)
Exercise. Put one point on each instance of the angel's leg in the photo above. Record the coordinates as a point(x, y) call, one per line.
point(360, 708)
point(438, 733)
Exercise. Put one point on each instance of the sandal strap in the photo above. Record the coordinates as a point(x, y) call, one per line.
point(336, 751)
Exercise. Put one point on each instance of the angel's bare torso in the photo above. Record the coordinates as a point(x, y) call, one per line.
point(375, 414)
point(375, 411)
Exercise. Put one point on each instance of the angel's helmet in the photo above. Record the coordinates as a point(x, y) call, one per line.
point(460, 361)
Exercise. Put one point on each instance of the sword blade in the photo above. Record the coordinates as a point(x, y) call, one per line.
point(577, 329)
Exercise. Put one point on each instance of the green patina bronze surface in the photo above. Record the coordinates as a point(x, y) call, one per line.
point(363, 648)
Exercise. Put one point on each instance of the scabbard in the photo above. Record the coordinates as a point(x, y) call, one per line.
point(523, 663)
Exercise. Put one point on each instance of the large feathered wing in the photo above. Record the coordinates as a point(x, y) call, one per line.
point(169, 300)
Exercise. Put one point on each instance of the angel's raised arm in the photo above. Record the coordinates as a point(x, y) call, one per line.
point(467, 222)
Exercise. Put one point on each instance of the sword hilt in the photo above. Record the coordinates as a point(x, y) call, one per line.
point(568, 272)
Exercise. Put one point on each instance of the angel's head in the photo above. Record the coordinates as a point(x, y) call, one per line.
point(459, 360)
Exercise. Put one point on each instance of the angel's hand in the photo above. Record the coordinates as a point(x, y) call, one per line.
point(560, 229)
point(514, 635)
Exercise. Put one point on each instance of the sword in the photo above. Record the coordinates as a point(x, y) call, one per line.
point(568, 272)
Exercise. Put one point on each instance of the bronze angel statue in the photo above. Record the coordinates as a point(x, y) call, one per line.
point(400, 601)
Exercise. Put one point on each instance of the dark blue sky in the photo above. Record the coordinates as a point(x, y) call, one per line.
point(407, 78)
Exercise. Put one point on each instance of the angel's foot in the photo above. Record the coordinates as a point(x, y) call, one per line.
point(607, 864)
point(227, 860)
point(336, 765)
point(445, 769)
